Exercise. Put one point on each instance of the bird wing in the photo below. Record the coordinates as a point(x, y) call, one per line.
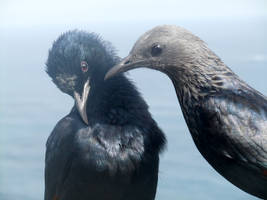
point(236, 124)
point(98, 163)
point(58, 156)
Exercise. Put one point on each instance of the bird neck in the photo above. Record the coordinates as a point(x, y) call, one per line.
point(196, 81)
point(113, 101)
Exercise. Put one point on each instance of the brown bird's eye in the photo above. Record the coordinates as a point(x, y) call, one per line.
point(156, 50)
point(84, 66)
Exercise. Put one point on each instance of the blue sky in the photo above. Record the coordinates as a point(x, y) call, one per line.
point(31, 12)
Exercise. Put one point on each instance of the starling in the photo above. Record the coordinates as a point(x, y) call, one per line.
point(226, 117)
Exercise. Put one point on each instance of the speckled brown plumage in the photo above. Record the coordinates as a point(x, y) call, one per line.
point(226, 117)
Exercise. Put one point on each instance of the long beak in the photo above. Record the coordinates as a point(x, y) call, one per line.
point(123, 66)
point(129, 62)
point(81, 101)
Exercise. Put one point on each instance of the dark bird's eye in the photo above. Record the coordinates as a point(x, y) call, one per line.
point(156, 50)
point(84, 66)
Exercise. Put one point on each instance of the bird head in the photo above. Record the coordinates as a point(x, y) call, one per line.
point(77, 61)
point(163, 48)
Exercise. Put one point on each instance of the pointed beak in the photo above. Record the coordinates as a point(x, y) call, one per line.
point(81, 101)
point(129, 62)
point(123, 66)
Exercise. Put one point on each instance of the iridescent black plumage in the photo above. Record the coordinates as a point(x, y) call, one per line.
point(115, 155)
point(226, 118)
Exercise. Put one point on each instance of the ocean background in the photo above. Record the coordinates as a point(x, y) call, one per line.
point(31, 105)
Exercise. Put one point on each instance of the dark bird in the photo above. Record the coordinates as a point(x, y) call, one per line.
point(226, 117)
point(107, 147)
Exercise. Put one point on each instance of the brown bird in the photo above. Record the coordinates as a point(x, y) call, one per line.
point(225, 116)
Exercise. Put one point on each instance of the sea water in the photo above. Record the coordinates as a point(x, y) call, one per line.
point(31, 105)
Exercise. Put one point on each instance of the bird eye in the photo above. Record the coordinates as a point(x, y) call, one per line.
point(156, 50)
point(84, 66)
